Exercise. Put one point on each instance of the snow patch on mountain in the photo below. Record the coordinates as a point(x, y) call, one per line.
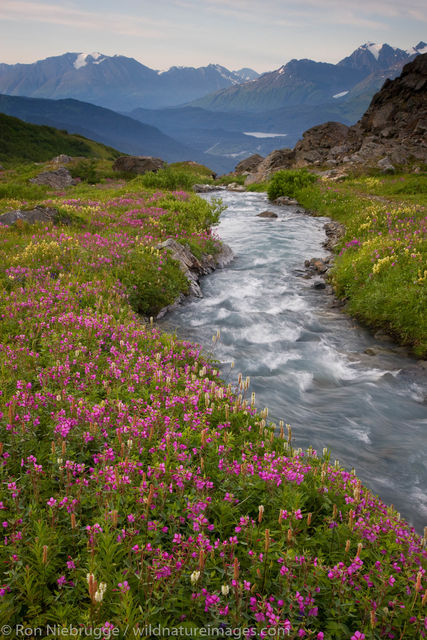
point(341, 94)
point(82, 59)
point(374, 48)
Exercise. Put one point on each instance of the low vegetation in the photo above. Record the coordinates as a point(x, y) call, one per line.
point(137, 487)
point(289, 182)
point(21, 141)
point(381, 266)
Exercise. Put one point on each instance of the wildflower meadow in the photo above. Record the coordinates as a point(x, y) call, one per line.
point(138, 486)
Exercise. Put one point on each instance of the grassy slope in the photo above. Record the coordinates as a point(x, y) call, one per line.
point(21, 141)
point(381, 268)
point(136, 487)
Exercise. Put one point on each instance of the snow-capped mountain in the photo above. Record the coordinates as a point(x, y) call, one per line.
point(115, 82)
point(246, 74)
point(373, 57)
point(306, 82)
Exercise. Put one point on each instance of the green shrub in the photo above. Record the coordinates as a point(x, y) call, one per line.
point(170, 179)
point(289, 182)
point(86, 171)
point(258, 187)
point(230, 178)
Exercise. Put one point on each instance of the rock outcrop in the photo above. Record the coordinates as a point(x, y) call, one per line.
point(317, 143)
point(38, 214)
point(138, 164)
point(391, 132)
point(248, 165)
point(58, 179)
point(279, 159)
point(193, 268)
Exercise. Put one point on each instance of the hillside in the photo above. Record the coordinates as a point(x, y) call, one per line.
point(103, 125)
point(20, 141)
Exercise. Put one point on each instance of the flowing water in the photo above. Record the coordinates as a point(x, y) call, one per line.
point(306, 359)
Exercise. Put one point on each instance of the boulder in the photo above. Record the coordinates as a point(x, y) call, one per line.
point(276, 160)
point(317, 142)
point(206, 188)
point(319, 284)
point(334, 232)
point(188, 263)
point(285, 201)
point(193, 268)
point(62, 159)
point(385, 165)
point(267, 214)
point(235, 187)
point(58, 179)
point(138, 164)
point(38, 214)
point(320, 266)
point(248, 165)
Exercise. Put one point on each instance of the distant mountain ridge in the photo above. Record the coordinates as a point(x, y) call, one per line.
point(214, 128)
point(391, 133)
point(103, 125)
point(116, 82)
point(306, 82)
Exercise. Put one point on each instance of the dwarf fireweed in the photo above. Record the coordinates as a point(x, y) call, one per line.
point(137, 488)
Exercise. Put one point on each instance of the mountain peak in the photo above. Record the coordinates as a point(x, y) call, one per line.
point(373, 47)
point(419, 48)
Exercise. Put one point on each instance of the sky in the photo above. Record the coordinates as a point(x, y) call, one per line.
point(261, 34)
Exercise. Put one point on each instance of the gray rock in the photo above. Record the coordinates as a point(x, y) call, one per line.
point(319, 265)
point(334, 231)
point(57, 179)
point(138, 164)
point(224, 257)
point(193, 268)
point(235, 187)
point(267, 214)
point(276, 160)
point(62, 159)
point(319, 284)
point(248, 165)
point(206, 188)
point(38, 214)
point(188, 263)
point(285, 201)
point(385, 165)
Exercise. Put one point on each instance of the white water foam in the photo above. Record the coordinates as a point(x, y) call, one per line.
point(354, 429)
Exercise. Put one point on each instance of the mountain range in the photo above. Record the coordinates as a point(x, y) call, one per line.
point(115, 82)
point(209, 114)
point(306, 82)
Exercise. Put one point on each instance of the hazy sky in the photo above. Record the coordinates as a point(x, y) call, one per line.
point(262, 34)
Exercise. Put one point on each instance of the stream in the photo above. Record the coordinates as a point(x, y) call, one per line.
point(305, 358)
